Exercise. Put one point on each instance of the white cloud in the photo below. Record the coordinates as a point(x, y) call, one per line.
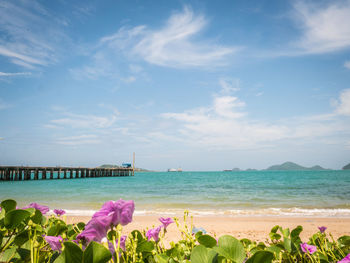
point(7, 74)
point(229, 85)
point(79, 121)
point(79, 140)
point(173, 45)
point(343, 104)
point(347, 64)
point(224, 124)
point(325, 28)
point(24, 40)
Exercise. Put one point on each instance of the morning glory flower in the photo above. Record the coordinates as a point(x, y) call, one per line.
point(345, 260)
point(95, 230)
point(166, 221)
point(322, 229)
point(154, 232)
point(42, 208)
point(54, 242)
point(118, 212)
point(306, 248)
point(59, 212)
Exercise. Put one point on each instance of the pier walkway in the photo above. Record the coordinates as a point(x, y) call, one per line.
point(19, 173)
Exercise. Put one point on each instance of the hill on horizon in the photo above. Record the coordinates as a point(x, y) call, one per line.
point(347, 167)
point(290, 166)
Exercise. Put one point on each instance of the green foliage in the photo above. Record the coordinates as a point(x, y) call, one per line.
point(96, 253)
point(23, 232)
point(231, 249)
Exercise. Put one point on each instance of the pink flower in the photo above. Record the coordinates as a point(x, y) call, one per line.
point(95, 230)
point(322, 229)
point(345, 260)
point(59, 212)
point(54, 242)
point(42, 208)
point(166, 221)
point(117, 212)
point(154, 232)
point(306, 248)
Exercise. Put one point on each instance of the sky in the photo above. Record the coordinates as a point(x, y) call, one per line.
point(201, 85)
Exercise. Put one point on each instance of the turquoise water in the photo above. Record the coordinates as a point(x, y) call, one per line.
point(314, 193)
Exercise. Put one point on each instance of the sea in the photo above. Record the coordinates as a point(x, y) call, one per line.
point(236, 193)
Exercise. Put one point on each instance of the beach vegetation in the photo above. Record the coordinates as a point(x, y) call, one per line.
point(33, 234)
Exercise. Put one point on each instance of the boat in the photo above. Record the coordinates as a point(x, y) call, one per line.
point(175, 170)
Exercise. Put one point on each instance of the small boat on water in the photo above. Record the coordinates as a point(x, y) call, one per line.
point(175, 170)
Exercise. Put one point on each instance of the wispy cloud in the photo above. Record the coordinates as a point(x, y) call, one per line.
point(347, 64)
point(14, 74)
point(176, 44)
point(229, 85)
point(226, 124)
point(343, 104)
point(85, 121)
point(326, 28)
point(24, 40)
point(79, 140)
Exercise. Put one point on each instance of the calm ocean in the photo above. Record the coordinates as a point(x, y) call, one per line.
point(280, 193)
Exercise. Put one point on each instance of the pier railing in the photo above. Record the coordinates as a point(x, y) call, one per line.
point(19, 173)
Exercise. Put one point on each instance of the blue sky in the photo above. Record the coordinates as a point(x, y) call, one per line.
point(202, 85)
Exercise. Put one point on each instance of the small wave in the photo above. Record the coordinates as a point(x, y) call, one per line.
point(279, 212)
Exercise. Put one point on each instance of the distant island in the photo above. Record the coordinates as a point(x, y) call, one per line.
point(346, 167)
point(118, 166)
point(290, 166)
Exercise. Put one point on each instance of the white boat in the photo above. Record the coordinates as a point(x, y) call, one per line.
point(174, 170)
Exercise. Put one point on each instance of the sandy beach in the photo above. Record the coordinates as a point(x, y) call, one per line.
point(255, 228)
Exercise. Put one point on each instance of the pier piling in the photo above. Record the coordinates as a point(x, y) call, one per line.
point(25, 173)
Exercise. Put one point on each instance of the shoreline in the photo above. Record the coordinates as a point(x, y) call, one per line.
point(254, 228)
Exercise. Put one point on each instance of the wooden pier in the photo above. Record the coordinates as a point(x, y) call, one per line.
point(22, 173)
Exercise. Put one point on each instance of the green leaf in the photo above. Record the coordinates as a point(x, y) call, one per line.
point(144, 246)
point(207, 241)
point(137, 234)
point(9, 205)
point(21, 238)
point(287, 244)
point(96, 253)
point(344, 240)
point(274, 229)
point(261, 257)
point(7, 255)
point(295, 233)
point(285, 232)
point(275, 250)
point(15, 217)
point(201, 254)
point(230, 248)
point(161, 258)
point(198, 234)
point(37, 217)
point(71, 253)
point(321, 256)
point(274, 236)
point(81, 225)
